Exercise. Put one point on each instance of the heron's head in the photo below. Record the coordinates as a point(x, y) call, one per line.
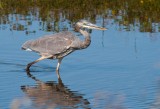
point(88, 25)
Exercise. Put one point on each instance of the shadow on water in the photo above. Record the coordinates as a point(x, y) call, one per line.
point(50, 94)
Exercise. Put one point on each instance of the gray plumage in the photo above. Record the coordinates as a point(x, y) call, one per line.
point(61, 44)
point(55, 45)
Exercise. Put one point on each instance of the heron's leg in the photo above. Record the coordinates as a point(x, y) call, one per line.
point(41, 58)
point(58, 65)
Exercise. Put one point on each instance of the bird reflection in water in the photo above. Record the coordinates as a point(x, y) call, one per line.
point(51, 95)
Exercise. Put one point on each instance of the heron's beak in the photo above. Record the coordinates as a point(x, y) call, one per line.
point(93, 26)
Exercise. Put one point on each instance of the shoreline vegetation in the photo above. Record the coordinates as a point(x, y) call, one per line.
point(141, 14)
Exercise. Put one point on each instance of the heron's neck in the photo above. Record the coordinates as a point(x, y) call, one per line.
point(87, 39)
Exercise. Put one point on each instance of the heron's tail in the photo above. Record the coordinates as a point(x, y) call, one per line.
point(26, 45)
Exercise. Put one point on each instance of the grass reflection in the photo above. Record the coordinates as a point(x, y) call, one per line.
point(131, 14)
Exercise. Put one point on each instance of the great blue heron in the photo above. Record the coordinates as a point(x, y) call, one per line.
point(61, 44)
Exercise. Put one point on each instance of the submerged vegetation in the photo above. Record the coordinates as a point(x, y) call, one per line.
point(127, 14)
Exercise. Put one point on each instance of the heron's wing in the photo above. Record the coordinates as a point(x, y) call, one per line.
point(51, 44)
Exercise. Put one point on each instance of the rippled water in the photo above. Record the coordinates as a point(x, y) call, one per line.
point(120, 69)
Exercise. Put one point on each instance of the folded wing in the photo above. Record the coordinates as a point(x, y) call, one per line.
point(51, 44)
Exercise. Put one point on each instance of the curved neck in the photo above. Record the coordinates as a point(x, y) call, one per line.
point(87, 39)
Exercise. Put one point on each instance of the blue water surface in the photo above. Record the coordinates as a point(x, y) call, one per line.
point(120, 69)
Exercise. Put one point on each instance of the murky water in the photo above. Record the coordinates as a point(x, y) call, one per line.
point(119, 70)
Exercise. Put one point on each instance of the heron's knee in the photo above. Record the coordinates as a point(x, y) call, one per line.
point(28, 66)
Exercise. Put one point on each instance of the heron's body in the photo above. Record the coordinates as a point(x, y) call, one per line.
point(55, 46)
point(59, 45)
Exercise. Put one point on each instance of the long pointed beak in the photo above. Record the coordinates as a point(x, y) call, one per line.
point(93, 26)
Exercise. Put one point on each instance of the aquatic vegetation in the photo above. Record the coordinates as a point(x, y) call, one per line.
point(128, 14)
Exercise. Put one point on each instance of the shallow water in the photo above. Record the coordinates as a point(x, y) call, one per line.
point(120, 69)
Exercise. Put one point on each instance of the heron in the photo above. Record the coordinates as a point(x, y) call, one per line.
point(59, 45)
